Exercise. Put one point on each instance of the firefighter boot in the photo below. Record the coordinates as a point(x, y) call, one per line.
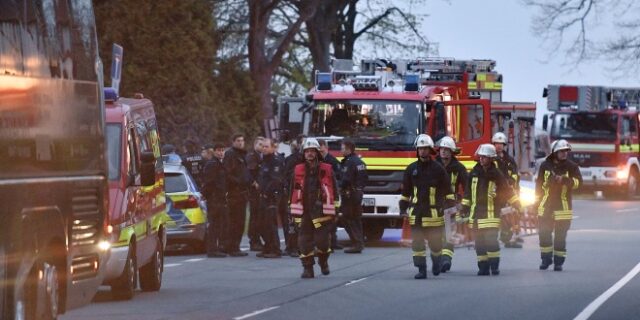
point(435, 267)
point(495, 266)
point(483, 268)
point(307, 265)
point(558, 261)
point(546, 261)
point(323, 261)
point(421, 263)
point(445, 263)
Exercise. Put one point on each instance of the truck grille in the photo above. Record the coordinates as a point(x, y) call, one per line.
point(86, 223)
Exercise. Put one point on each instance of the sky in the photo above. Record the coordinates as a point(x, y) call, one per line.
point(501, 30)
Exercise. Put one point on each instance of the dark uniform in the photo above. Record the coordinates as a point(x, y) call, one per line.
point(458, 177)
point(238, 180)
point(555, 208)
point(509, 169)
point(353, 179)
point(487, 194)
point(254, 160)
point(215, 191)
point(195, 165)
point(288, 226)
point(271, 181)
point(425, 188)
point(335, 165)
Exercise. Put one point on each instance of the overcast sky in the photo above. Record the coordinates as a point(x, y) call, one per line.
point(501, 30)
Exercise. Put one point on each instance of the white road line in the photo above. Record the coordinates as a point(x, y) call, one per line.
point(628, 210)
point(169, 265)
point(194, 260)
point(593, 306)
point(355, 281)
point(255, 313)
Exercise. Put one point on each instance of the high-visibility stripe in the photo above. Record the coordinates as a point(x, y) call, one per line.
point(403, 198)
point(493, 254)
point(576, 183)
point(546, 249)
point(465, 202)
point(432, 201)
point(415, 194)
point(474, 199)
point(468, 164)
point(420, 253)
point(545, 187)
point(490, 199)
point(432, 222)
point(513, 199)
point(450, 196)
point(563, 215)
point(560, 253)
point(310, 254)
point(482, 258)
point(447, 252)
point(454, 180)
point(563, 196)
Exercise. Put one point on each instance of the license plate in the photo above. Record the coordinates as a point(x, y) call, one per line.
point(369, 202)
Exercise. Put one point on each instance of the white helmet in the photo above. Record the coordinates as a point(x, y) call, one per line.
point(499, 137)
point(487, 150)
point(559, 145)
point(447, 142)
point(310, 143)
point(424, 140)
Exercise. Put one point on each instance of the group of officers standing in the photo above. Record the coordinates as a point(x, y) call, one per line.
point(309, 189)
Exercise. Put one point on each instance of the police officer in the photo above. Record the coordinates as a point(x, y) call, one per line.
point(313, 202)
point(458, 177)
point(509, 169)
point(254, 160)
point(335, 165)
point(271, 182)
point(215, 191)
point(353, 179)
point(290, 230)
point(425, 187)
point(238, 183)
point(557, 178)
point(487, 194)
point(192, 160)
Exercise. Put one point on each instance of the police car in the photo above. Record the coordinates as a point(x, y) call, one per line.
point(186, 220)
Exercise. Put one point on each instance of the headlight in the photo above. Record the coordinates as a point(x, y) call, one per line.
point(104, 245)
point(527, 196)
point(622, 174)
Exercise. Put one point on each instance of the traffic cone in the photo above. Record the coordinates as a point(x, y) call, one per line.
point(406, 232)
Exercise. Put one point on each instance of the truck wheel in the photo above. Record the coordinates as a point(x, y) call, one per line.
point(373, 233)
point(151, 273)
point(51, 288)
point(124, 287)
point(632, 185)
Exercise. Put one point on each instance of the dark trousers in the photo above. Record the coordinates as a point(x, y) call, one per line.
point(433, 235)
point(288, 230)
point(352, 215)
point(217, 226)
point(268, 223)
point(237, 218)
point(254, 218)
point(553, 238)
point(487, 245)
point(311, 237)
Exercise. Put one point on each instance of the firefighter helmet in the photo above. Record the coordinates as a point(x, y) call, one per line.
point(499, 137)
point(487, 150)
point(449, 143)
point(424, 140)
point(311, 143)
point(559, 145)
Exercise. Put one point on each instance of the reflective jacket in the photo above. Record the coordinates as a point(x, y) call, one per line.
point(509, 169)
point(425, 187)
point(458, 176)
point(314, 194)
point(555, 197)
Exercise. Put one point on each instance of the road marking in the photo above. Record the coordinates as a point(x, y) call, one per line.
point(593, 306)
point(354, 281)
point(169, 265)
point(255, 313)
point(194, 260)
point(628, 210)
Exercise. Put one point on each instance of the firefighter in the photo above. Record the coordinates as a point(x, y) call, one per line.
point(458, 177)
point(353, 179)
point(271, 182)
point(509, 169)
point(425, 187)
point(487, 193)
point(238, 183)
point(313, 203)
point(335, 165)
point(192, 160)
point(215, 191)
point(558, 177)
point(290, 162)
point(254, 160)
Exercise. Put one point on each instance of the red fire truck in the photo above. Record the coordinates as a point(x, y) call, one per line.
point(601, 124)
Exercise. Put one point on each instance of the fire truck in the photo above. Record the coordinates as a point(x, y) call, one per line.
point(383, 107)
point(601, 124)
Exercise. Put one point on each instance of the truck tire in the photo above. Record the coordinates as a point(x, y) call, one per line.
point(151, 273)
point(124, 287)
point(373, 232)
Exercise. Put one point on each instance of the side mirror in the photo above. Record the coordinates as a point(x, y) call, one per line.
point(147, 169)
point(545, 122)
point(545, 92)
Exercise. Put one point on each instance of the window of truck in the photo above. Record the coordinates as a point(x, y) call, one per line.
point(585, 126)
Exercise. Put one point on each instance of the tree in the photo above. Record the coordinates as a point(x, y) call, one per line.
point(570, 26)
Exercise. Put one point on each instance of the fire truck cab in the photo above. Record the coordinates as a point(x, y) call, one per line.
point(601, 124)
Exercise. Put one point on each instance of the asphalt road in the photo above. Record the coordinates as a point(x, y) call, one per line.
point(603, 247)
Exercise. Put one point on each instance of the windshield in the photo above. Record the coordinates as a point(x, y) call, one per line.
point(175, 182)
point(585, 126)
point(371, 123)
point(114, 140)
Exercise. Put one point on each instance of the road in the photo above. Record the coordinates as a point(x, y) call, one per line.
point(603, 247)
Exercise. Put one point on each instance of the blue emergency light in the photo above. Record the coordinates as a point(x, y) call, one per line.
point(412, 82)
point(323, 81)
point(110, 94)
